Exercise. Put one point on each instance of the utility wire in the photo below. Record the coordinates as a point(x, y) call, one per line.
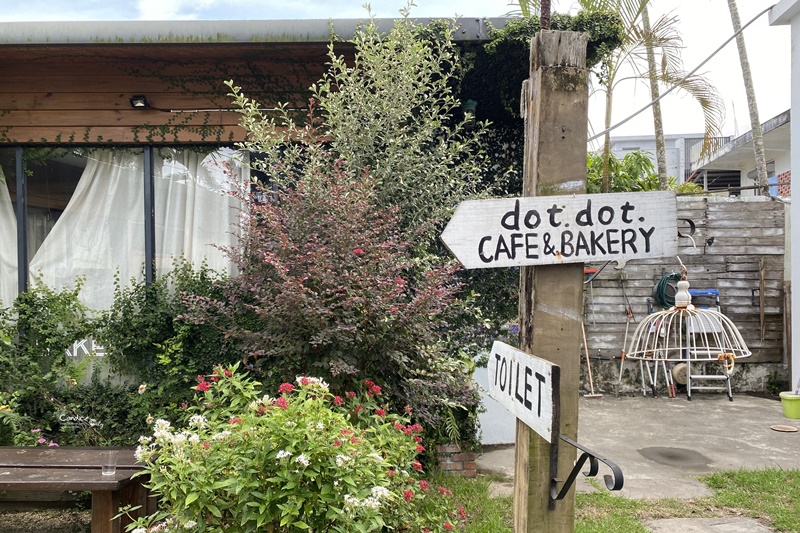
point(706, 60)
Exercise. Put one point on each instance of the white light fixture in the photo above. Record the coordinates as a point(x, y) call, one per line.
point(139, 101)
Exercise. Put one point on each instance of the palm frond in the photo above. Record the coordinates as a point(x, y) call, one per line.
point(704, 92)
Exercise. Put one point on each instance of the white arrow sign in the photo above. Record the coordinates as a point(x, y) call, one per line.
point(528, 386)
point(546, 230)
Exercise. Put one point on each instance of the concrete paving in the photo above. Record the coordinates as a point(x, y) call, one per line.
point(664, 444)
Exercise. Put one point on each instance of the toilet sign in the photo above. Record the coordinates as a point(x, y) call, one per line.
point(527, 386)
point(547, 230)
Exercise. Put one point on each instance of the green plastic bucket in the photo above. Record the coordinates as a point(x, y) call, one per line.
point(791, 404)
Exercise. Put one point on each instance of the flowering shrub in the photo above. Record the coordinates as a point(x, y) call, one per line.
point(306, 460)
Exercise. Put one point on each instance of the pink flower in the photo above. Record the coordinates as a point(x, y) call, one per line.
point(235, 420)
point(206, 445)
point(444, 491)
point(408, 495)
point(462, 513)
point(285, 388)
point(203, 386)
point(337, 443)
point(448, 526)
point(417, 465)
point(282, 402)
point(337, 400)
point(350, 394)
point(374, 390)
point(53, 445)
point(41, 440)
point(424, 485)
point(201, 378)
point(420, 448)
point(358, 251)
point(353, 440)
point(393, 309)
point(228, 373)
point(37, 430)
point(380, 412)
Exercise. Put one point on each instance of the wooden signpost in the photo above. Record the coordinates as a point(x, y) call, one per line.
point(526, 385)
point(555, 227)
point(509, 232)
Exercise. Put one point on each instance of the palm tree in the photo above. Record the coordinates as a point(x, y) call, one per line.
point(662, 35)
point(658, 123)
point(762, 181)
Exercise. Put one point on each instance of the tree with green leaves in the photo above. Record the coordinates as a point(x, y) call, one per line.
point(762, 181)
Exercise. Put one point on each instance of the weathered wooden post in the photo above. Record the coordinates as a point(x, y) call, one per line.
point(555, 107)
point(549, 232)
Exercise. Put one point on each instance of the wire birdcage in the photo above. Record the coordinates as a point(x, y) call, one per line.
point(688, 334)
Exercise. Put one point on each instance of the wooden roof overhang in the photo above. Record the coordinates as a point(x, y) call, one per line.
point(70, 83)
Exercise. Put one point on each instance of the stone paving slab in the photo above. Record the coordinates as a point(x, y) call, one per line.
point(706, 525)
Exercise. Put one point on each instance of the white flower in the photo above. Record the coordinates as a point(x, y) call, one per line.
point(194, 439)
point(283, 454)
point(198, 421)
point(139, 453)
point(302, 459)
point(306, 381)
point(161, 425)
point(351, 501)
point(142, 388)
point(371, 503)
point(266, 400)
point(145, 440)
point(222, 435)
point(290, 424)
point(190, 524)
point(380, 492)
point(139, 530)
point(342, 459)
point(320, 426)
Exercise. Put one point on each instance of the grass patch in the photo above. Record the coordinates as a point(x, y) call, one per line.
point(770, 496)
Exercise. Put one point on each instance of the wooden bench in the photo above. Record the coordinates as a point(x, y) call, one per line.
point(60, 469)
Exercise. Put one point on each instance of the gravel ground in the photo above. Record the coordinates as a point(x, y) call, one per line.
point(45, 521)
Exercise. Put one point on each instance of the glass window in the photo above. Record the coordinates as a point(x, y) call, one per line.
point(196, 205)
point(8, 227)
point(85, 219)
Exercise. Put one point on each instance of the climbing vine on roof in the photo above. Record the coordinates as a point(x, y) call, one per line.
point(495, 70)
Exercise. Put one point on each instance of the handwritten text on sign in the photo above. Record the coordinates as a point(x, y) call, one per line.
point(527, 386)
point(546, 230)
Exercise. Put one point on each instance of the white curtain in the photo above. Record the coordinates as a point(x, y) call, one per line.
point(195, 210)
point(101, 231)
point(8, 246)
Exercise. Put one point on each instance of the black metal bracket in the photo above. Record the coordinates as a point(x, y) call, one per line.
point(613, 482)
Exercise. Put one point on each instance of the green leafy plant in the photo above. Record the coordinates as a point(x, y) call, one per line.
point(305, 460)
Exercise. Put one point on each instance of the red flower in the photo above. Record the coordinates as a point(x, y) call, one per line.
point(448, 526)
point(228, 373)
point(374, 390)
point(392, 473)
point(201, 379)
point(351, 394)
point(357, 409)
point(346, 432)
point(417, 465)
point(353, 440)
point(462, 513)
point(407, 409)
point(444, 491)
point(380, 412)
point(337, 400)
point(408, 495)
point(417, 439)
point(424, 485)
point(337, 443)
point(393, 309)
point(285, 388)
point(213, 378)
point(235, 420)
point(358, 251)
point(282, 403)
point(206, 445)
point(420, 448)
point(203, 386)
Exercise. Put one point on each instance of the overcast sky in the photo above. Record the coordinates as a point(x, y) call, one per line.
point(704, 25)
